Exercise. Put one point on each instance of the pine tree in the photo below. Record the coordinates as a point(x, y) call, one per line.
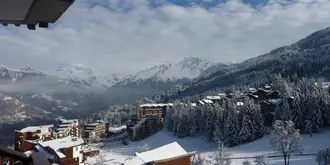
point(251, 122)
point(297, 114)
point(210, 120)
point(246, 132)
point(168, 121)
point(283, 110)
point(193, 124)
point(200, 119)
point(219, 122)
point(231, 126)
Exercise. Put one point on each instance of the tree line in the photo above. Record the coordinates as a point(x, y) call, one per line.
point(219, 121)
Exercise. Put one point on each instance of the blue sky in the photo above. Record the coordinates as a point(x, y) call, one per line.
point(125, 36)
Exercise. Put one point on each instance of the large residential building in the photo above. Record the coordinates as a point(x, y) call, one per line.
point(159, 110)
point(100, 129)
point(67, 128)
point(25, 138)
point(170, 154)
point(150, 118)
point(64, 151)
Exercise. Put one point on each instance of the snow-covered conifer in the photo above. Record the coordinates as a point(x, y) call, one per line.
point(231, 126)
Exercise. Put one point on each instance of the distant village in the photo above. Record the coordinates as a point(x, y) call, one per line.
point(68, 142)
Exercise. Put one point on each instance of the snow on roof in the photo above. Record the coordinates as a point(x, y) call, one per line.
point(274, 101)
point(193, 104)
point(101, 121)
point(168, 151)
point(222, 94)
point(29, 153)
point(156, 105)
point(267, 86)
point(201, 102)
point(43, 129)
point(252, 89)
point(58, 144)
point(207, 101)
point(92, 125)
point(117, 129)
point(69, 121)
point(42, 150)
point(239, 103)
point(213, 97)
point(64, 125)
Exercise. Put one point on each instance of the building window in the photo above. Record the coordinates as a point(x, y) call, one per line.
point(76, 148)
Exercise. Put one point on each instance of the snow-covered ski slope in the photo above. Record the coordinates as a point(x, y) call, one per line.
point(117, 152)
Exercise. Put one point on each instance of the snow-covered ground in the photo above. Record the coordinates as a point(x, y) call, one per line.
point(118, 152)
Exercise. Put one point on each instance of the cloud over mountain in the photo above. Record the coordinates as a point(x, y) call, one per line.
point(129, 35)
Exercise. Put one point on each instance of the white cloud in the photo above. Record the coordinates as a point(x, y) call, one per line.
point(122, 41)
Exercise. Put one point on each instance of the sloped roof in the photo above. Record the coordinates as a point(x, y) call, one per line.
point(58, 144)
point(43, 129)
point(208, 101)
point(156, 105)
point(169, 151)
point(213, 97)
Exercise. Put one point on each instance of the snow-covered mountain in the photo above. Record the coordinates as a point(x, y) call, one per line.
point(188, 68)
point(84, 75)
point(157, 79)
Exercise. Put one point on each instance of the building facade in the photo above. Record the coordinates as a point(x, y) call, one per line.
point(64, 151)
point(99, 129)
point(26, 137)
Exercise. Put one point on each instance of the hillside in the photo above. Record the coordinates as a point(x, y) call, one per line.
point(157, 79)
point(119, 152)
point(308, 57)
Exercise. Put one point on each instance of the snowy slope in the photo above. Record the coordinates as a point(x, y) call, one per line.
point(88, 76)
point(119, 152)
point(189, 67)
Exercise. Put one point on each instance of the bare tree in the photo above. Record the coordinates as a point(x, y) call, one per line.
point(144, 148)
point(100, 158)
point(222, 157)
point(260, 160)
point(246, 162)
point(285, 138)
point(323, 156)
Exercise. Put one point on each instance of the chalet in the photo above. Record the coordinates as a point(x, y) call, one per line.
point(273, 95)
point(261, 93)
point(63, 151)
point(99, 129)
point(170, 154)
point(67, 128)
point(252, 90)
point(324, 85)
point(207, 101)
point(25, 138)
point(200, 102)
point(214, 99)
